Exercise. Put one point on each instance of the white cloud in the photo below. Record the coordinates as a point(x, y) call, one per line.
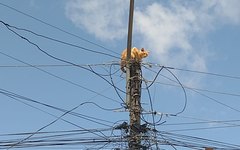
point(166, 28)
point(103, 18)
point(226, 10)
point(167, 31)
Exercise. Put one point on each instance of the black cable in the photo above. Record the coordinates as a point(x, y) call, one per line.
point(60, 65)
point(59, 41)
point(58, 77)
point(185, 94)
point(226, 122)
point(196, 91)
point(153, 115)
point(115, 88)
point(165, 140)
point(56, 58)
point(105, 70)
point(208, 142)
point(215, 100)
point(195, 71)
point(15, 96)
point(28, 137)
point(177, 81)
point(58, 132)
point(199, 89)
point(106, 109)
point(59, 29)
point(155, 77)
point(204, 128)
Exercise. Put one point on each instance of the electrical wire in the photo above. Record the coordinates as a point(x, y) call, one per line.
point(153, 115)
point(116, 89)
point(60, 65)
point(58, 77)
point(191, 141)
point(57, 28)
point(225, 122)
point(42, 128)
point(204, 128)
point(185, 94)
point(155, 77)
point(204, 95)
point(198, 89)
point(92, 119)
point(56, 58)
point(204, 73)
point(56, 40)
point(15, 97)
point(177, 81)
point(195, 71)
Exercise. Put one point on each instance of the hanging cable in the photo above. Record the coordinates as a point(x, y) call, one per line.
point(56, 40)
point(57, 28)
point(56, 58)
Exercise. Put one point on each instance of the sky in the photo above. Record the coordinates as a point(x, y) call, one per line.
point(66, 53)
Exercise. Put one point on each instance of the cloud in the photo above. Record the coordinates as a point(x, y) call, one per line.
point(167, 31)
point(106, 19)
point(227, 11)
point(168, 28)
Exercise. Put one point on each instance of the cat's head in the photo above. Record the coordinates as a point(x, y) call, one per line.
point(143, 53)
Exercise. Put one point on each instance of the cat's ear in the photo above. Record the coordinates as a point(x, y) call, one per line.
point(142, 49)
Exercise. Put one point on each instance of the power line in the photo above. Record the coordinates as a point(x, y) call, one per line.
point(228, 122)
point(59, 65)
point(85, 117)
point(194, 71)
point(49, 124)
point(117, 63)
point(56, 40)
point(191, 141)
point(198, 89)
point(204, 95)
point(204, 128)
point(57, 28)
point(12, 95)
point(58, 77)
point(57, 58)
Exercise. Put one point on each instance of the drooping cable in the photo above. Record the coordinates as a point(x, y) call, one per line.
point(57, 28)
point(56, 40)
point(56, 58)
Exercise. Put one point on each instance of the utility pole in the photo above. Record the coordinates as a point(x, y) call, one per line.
point(208, 148)
point(133, 88)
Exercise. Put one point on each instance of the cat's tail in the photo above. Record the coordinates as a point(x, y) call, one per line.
point(123, 65)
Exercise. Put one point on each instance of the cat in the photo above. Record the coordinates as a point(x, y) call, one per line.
point(136, 55)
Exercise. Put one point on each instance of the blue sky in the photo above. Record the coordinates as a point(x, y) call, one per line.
point(190, 36)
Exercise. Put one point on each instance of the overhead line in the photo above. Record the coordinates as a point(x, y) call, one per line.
point(204, 95)
point(198, 89)
point(58, 77)
point(58, 65)
point(55, 57)
point(17, 97)
point(228, 122)
point(203, 128)
point(200, 140)
point(194, 71)
point(58, 28)
point(56, 40)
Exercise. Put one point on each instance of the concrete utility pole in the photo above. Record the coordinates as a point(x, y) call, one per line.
point(208, 148)
point(133, 88)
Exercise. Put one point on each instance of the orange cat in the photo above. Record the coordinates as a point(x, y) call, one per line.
point(136, 54)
